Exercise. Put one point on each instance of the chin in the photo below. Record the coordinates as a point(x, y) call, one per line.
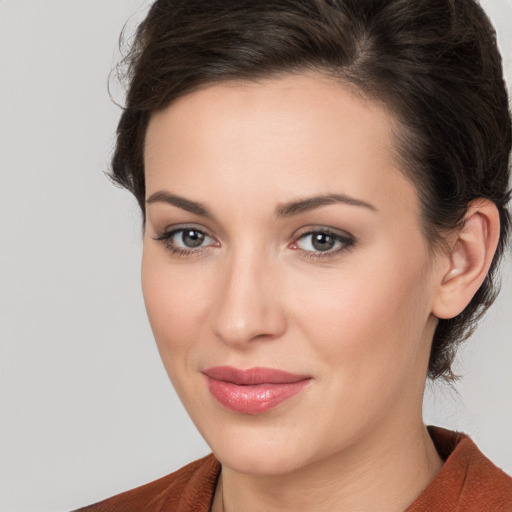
point(258, 461)
point(257, 448)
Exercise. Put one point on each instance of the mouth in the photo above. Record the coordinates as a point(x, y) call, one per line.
point(255, 390)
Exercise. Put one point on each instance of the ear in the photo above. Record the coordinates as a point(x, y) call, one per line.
point(468, 259)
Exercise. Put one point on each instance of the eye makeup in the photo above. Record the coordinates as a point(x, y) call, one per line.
point(320, 242)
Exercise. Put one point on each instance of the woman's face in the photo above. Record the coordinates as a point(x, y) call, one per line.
point(281, 235)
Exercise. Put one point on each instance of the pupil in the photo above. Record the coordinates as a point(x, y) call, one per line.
point(323, 241)
point(192, 238)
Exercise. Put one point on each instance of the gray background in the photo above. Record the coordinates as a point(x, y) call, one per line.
point(86, 408)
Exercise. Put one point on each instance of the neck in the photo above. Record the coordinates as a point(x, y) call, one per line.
point(385, 476)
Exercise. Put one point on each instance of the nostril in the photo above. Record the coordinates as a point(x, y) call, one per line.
point(247, 308)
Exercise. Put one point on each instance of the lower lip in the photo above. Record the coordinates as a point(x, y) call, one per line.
point(253, 399)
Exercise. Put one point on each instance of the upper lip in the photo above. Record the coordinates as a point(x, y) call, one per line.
point(253, 376)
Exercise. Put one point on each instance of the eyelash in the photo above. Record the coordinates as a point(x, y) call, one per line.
point(166, 237)
point(346, 241)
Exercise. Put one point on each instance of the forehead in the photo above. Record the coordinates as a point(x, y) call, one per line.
point(281, 105)
point(293, 136)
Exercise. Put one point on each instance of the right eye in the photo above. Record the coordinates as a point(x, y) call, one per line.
point(186, 241)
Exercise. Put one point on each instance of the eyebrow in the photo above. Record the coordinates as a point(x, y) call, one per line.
point(283, 210)
point(163, 196)
point(309, 203)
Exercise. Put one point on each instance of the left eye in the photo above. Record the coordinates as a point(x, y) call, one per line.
point(323, 241)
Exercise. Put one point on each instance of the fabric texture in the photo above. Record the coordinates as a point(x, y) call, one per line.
point(467, 482)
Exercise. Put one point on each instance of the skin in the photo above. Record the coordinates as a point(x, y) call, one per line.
point(358, 321)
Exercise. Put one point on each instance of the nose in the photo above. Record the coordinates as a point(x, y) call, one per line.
point(249, 306)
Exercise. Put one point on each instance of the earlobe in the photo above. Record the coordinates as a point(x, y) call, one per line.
point(468, 259)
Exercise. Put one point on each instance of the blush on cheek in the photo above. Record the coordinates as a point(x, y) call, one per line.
point(174, 305)
point(369, 325)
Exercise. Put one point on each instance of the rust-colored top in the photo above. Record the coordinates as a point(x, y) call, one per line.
point(467, 482)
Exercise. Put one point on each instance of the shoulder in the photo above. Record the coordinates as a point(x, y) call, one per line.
point(468, 481)
point(191, 486)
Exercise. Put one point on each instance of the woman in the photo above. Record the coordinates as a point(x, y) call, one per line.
point(324, 187)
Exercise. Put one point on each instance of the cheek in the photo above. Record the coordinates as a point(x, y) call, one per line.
point(175, 301)
point(368, 318)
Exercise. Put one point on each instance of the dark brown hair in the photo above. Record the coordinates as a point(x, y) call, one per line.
point(433, 63)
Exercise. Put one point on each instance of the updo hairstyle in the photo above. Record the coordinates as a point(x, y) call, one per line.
point(433, 63)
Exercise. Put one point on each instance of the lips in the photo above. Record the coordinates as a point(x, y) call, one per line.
point(255, 390)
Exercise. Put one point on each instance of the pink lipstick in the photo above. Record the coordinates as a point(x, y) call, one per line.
point(255, 390)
